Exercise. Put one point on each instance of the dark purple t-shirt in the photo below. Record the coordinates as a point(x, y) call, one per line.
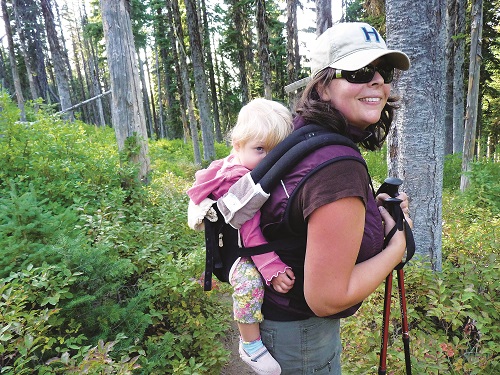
point(344, 178)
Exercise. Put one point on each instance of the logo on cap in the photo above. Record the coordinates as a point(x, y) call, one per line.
point(369, 34)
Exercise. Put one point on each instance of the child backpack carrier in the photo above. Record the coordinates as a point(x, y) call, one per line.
point(242, 201)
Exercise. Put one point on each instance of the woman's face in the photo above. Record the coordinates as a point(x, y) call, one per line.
point(360, 103)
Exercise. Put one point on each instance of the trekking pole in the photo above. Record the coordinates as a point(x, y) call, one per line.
point(404, 319)
point(390, 186)
point(382, 369)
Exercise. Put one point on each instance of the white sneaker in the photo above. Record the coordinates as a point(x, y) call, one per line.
point(262, 362)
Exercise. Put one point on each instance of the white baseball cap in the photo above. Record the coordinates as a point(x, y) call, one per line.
point(350, 46)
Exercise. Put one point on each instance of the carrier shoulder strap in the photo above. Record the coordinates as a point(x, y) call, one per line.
point(290, 151)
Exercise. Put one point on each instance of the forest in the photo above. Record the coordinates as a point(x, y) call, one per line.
point(108, 108)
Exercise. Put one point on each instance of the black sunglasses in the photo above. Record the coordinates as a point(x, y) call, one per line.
point(366, 74)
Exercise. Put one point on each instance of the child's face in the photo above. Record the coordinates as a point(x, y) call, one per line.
point(250, 154)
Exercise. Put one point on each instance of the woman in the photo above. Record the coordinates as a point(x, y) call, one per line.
point(329, 206)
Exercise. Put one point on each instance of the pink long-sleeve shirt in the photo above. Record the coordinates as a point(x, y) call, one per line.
point(213, 182)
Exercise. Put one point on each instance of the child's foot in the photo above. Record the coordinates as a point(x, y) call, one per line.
point(261, 361)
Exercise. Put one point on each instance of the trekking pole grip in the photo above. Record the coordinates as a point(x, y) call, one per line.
point(390, 186)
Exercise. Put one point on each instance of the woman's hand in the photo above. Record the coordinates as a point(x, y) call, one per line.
point(405, 205)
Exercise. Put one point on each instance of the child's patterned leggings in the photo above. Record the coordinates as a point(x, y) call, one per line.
point(248, 292)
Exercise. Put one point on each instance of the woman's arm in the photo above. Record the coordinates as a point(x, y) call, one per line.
point(332, 281)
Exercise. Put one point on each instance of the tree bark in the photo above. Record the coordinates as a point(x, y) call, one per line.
point(473, 91)
point(22, 47)
point(95, 85)
point(127, 109)
point(13, 63)
point(200, 80)
point(56, 51)
point(237, 17)
point(30, 34)
point(151, 99)
point(64, 52)
point(160, 100)
point(80, 84)
point(162, 35)
point(323, 15)
point(450, 68)
point(263, 38)
point(292, 49)
point(145, 96)
point(211, 74)
point(458, 78)
point(416, 142)
point(184, 78)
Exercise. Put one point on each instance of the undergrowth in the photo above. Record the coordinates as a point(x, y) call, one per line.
point(98, 278)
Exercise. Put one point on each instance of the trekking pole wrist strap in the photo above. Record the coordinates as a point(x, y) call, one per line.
point(410, 241)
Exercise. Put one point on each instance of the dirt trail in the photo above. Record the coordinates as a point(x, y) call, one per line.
point(235, 366)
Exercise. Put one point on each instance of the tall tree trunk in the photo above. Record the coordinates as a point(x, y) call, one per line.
point(30, 36)
point(455, 49)
point(323, 15)
point(127, 110)
point(96, 114)
point(200, 81)
point(263, 37)
point(95, 86)
point(416, 143)
point(152, 98)
point(220, 80)
point(160, 100)
point(63, 42)
point(56, 51)
point(458, 78)
point(211, 73)
point(237, 17)
point(13, 63)
point(27, 62)
point(145, 96)
point(292, 49)
point(473, 91)
point(164, 39)
point(450, 68)
point(81, 82)
point(186, 87)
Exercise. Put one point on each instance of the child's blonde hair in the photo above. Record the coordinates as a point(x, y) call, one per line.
point(264, 120)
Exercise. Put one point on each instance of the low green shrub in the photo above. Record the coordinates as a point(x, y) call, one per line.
point(452, 316)
point(30, 317)
point(133, 260)
point(28, 227)
point(188, 323)
point(377, 165)
point(452, 171)
point(484, 189)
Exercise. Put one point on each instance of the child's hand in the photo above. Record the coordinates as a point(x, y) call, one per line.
point(284, 281)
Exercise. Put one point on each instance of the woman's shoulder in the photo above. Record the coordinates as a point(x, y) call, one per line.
point(344, 178)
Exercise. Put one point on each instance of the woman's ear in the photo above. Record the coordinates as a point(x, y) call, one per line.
point(323, 92)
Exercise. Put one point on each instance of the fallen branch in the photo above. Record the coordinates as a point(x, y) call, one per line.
point(84, 102)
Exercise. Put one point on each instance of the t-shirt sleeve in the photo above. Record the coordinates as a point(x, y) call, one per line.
point(341, 179)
